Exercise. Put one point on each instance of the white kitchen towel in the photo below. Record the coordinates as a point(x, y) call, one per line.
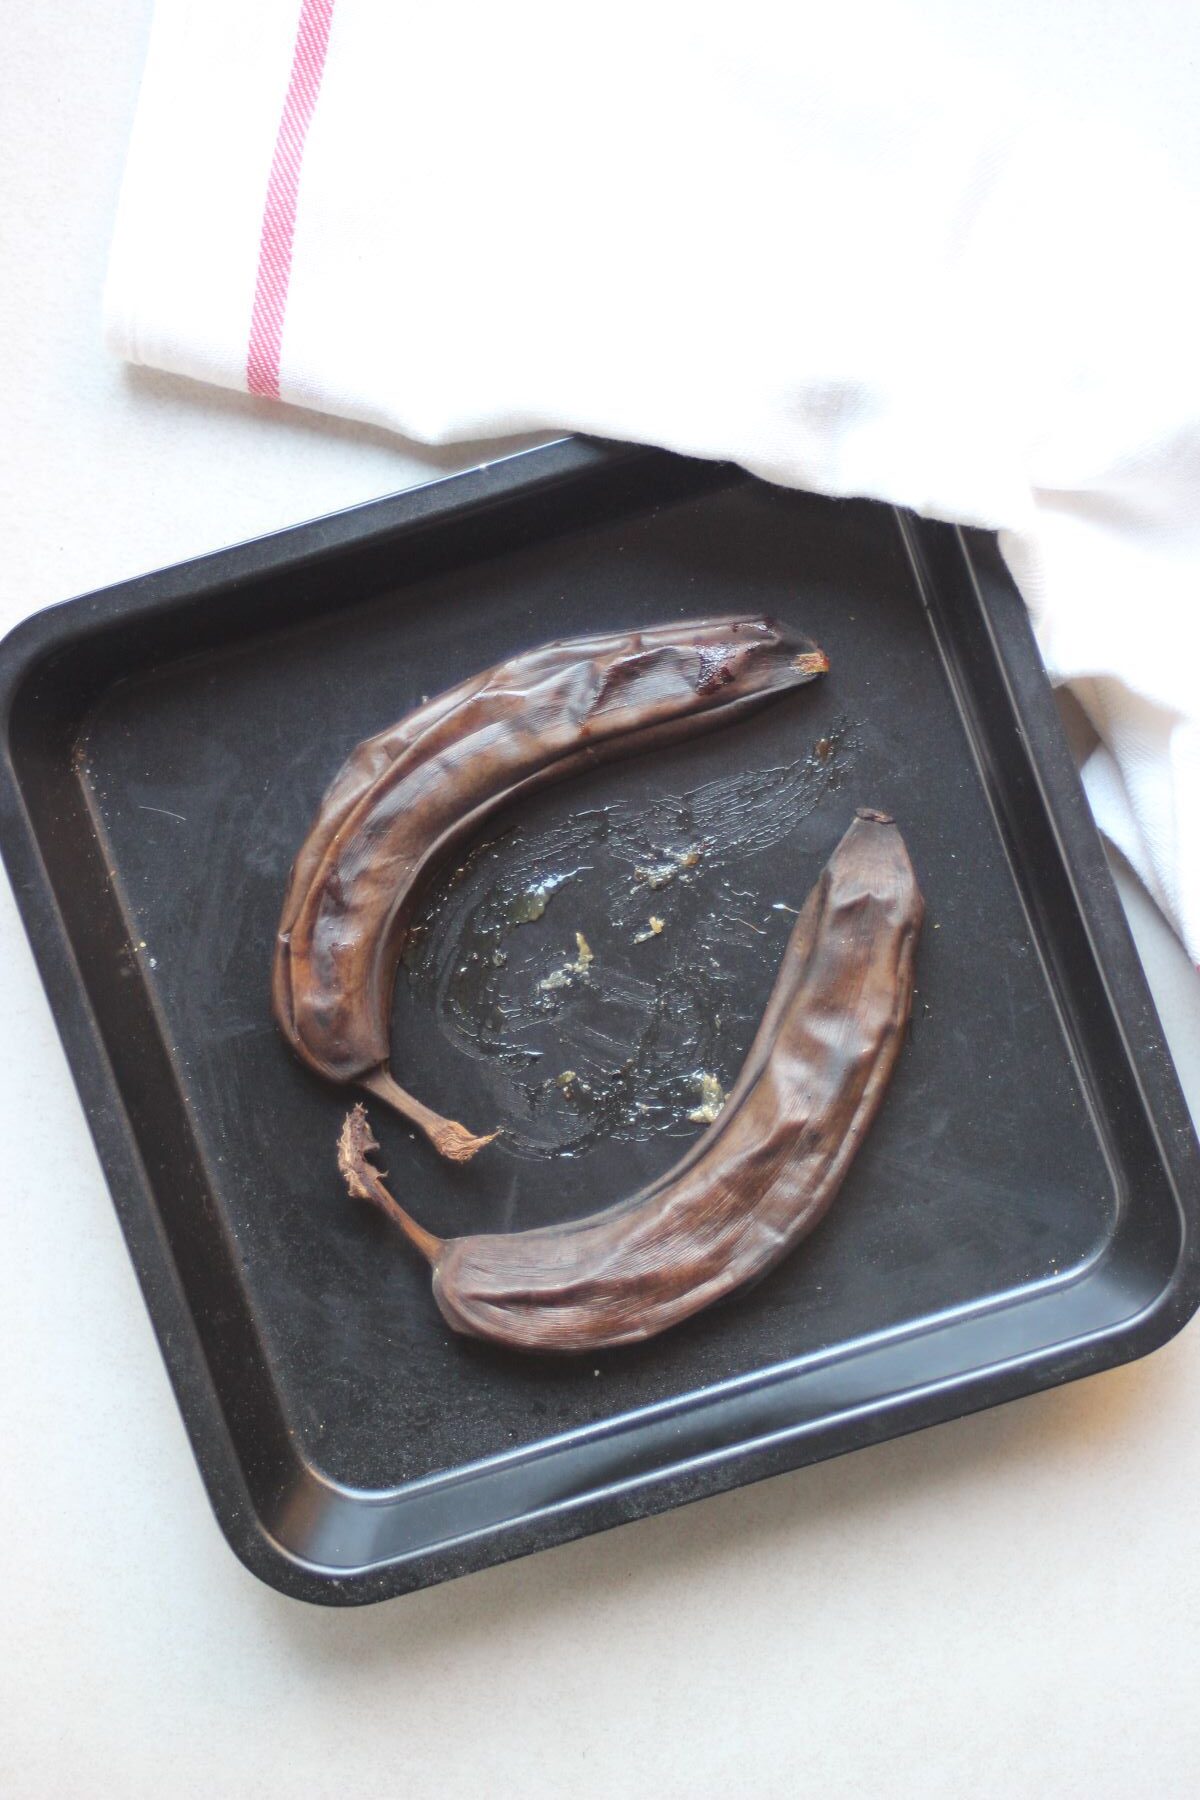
point(800, 237)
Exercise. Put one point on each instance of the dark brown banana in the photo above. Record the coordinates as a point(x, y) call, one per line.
point(757, 1181)
point(406, 798)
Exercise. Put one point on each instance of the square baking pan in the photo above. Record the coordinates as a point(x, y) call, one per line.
point(1022, 1211)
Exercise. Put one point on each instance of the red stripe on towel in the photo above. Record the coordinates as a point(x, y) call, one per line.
point(283, 187)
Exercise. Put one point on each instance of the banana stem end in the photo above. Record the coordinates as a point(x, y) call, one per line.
point(364, 1182)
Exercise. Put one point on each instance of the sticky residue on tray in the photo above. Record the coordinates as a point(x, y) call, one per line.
point(568, 972)
point(633, 1034)
point(711, 1098)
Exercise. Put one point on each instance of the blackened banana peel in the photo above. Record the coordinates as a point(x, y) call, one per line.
point(755, 1183)
point(407, 798)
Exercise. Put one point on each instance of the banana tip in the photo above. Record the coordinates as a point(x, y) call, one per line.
point(457, 1144)
point(811, 662)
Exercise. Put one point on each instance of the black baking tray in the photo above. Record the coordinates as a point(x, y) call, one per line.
point(1023, 1211)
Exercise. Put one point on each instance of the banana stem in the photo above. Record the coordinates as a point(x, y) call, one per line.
point(364, 1181)
point(448, 1137)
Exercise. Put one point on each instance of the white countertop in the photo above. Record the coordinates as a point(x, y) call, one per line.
point(1006, 1606)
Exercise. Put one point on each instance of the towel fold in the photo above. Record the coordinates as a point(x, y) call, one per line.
point(805, 239)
